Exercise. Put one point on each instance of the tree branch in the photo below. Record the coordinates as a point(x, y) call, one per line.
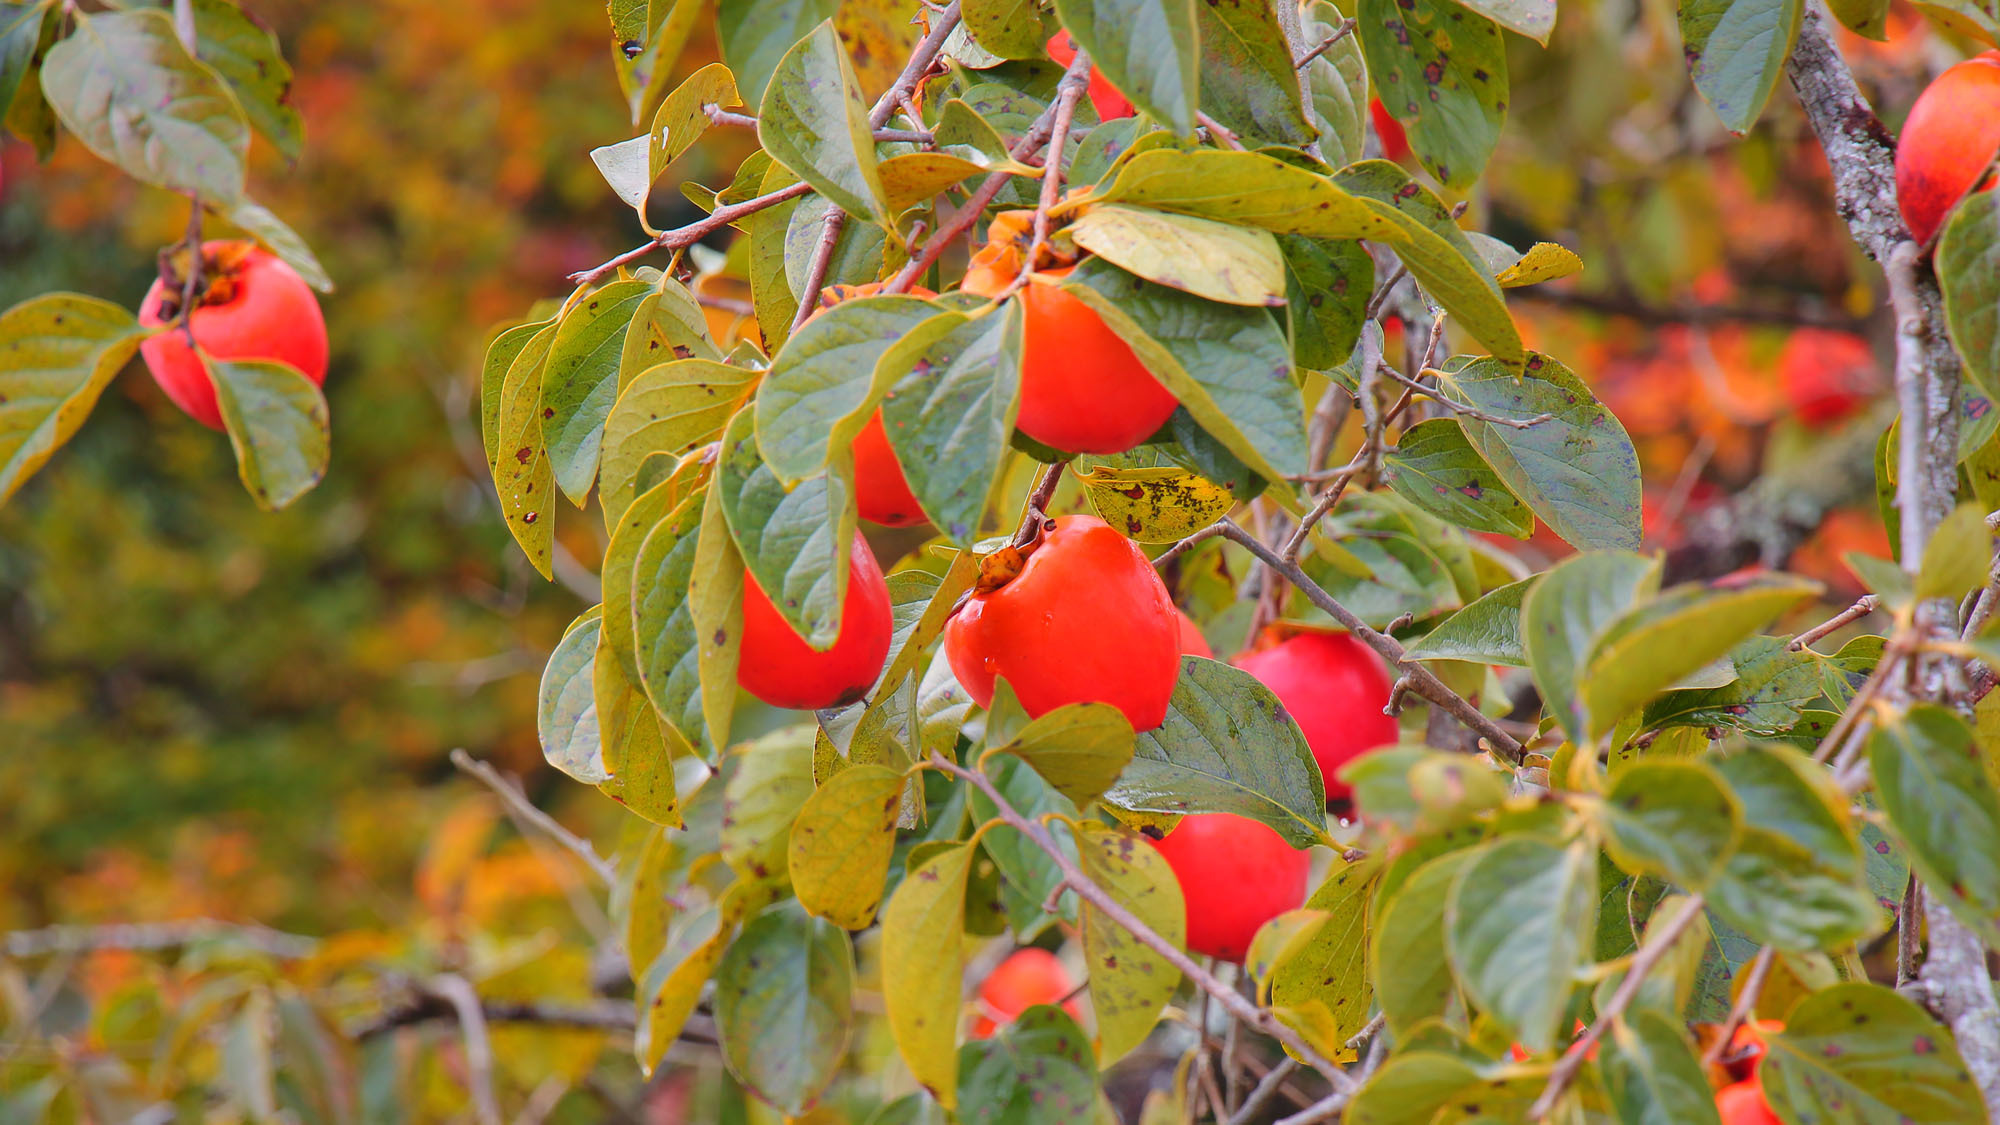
point(149, 937)
point(457, 991)
point(518, 803)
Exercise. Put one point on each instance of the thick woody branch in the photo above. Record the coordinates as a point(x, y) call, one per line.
point(1100, 899)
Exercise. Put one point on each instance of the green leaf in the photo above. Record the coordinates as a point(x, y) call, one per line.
point(1219, 261)
point(668, 324)
point(1327, 287)
point(1028, 876)
point(660, 29)
point(1149, 49)
point(795, 544)
point(1406, 951)
point(1227, 745)
point(247, 56)
point(1566, 613)
point(1867, 18)
point(1417, 1087)
point(813, 121)
point(260, 223)
point(1736, 51)
point(663, 629)
point(1011, 29)
point(124, 85)
point(950, 406)
point(1328, 972)
point(633, 167)
point(755, 34)
point(1673, 820)
point(860, 254)
point(1129, 982)
point(278, 426)
point(635, 749)
point(697, 936)
point(784, 1006)
point(910, 178)
point(1578, 470)
point(1943, 808)
point(30, 117)
point(821, 389)
point(841, 843)
point(520, 457)
point(768, 780)
point(1439, 471)
point(673, 408)
point(1652, 1073)
point(502, 350)
point(1441, 69)
point(1248, 80)
point(1659, 644)
point(1797, 879)
point(1228, 365)
point(1336, 86)
point(1486, 632)
point(1419, 791)
point(1249, 189)
point(1860, 1053)
point(1968, 272)
point(1771, 685)
point(20, 36)
point(57, 354)
point(923, 941)
point(1440, 257)
point(1080, 749)
point(581, 382)
point(566, 717)
point(1958, 555)
point(715, 591)
point(1519, 924)
point(1039, 1068)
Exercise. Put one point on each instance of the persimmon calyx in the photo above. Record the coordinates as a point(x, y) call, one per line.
point(1005, 564)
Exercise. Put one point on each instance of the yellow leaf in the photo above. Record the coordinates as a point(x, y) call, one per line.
point(1544, 261)
point(1156, 505)
point(1129, 981)
point(841, 844)
point(1236, 265)
point(923, 939)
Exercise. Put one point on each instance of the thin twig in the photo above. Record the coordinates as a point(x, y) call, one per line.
point(152, 937)
point(457, 991)
point(694, 232)
point(1909, 925)
point(1087, 889)
point(1746, 1002)
point(510, 792)
point(1071, 88)
point(1261, 1094)
point(1862, 607)
point(1220, 132)
point(816, 267)
point(1345, 29)
point(721, 116)
point(1460, 408)
point(1186, 545)
point(1321, 1110)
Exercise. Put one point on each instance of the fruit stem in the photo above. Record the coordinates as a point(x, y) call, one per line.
point(1030, 531)
point(1746, 1002)
point(1068, 90)
point(191, 285)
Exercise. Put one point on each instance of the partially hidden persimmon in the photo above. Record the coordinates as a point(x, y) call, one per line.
point(1827, 375)
point(1336, 688)
point(1086, 620)
point(1236, 874)
point(1743, 1103)
point(250, 305)
point(1104, 97)
point(1192, 642)
point(1083, 390)
point(777, 666)
point(881, 492)
point(1948, 143)
point(1026, 978)
point(1395, 142)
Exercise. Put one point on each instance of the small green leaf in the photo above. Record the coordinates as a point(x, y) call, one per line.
point(1406, 951)
point(1149, 49)
point(57, 354)
point(1486, 632)
point(1797, 879)
point(659, 29)
point(278, 425)
point(124, 85)
point(1736, 51)
point(669, 324)
point(1235, 265)
point(566, 717)
point(1439, 471)
point(633, 167)
point(1673, 820)
point(813, 121)
point(673, 408)
point(821, 389)
point(1417, 1087)
point(1968, 272)
point(1772, 683)
point(1011, 29)
point(715, 593)
point(841, 843)
point(1080, 749)
point(767, 781)
point(1227, 745)
point(1564, 615)
point(949, 410)
point(910, 178)
point(580, 383)
point(923, 940)
point(1329, 972)
point(795, 544)
point(1943, 808)
point(1519, 924)
point(247, 56)
point(1958, 555)
point(784, 1006)
point(1129, 982)
point(1327, 287)
point(1859, 1053)
point(1038, 1069)
point(1336, 86)
point(635, 747)
point(502, 350)
point(1249, 82)
point(1250, 189)
point(1441, 69)
point(1652, 1073)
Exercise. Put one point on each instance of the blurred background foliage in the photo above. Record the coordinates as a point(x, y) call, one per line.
point(207, 710)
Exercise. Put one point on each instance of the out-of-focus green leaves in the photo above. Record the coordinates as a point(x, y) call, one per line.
point(1736, 52)
point(784, 1005)
point(246, 55)
point(1861, 1052)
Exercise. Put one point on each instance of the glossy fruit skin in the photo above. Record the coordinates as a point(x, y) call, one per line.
point(1236, 874)
point(1336, 688)
point(1395, 142)
point(778, 667)
point(1827, 376)
point(1087, 620)
point(881, 492)
point(1103, 95)
point(1948, 143)
point(272, 314)
point(1026, 978)
point(1742, 1103)
point(1192, 642)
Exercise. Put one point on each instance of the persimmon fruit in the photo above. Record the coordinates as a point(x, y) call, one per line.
point(1104, 97)
point(251, 306)
point(1826, 375)
point(1236, 874)
point(1086, 620)
point(1742, 1103)
point(777, 666)
point(882, 493)
point(1192, 642)
point(1026, 978)
point(1395, 142)
point(1948, 143)
point(1336, 688)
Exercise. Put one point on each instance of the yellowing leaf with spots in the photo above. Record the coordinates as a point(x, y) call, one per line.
point(923, 939)
point(1129, 982)
point(841, 843)
point(1158, 505)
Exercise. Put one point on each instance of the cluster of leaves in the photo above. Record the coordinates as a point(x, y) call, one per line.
point(172, 99)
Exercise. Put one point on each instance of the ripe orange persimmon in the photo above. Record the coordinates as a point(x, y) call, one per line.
point(881, 492)
point(1192, 642)
point(1746, 1048)
point(1742, 1103)
point(1026, 978)
point(1827, 375)
point(777, 666)
point(1236, 874)
point(1103, 95)
point(1082, 388)
point(1336, 689)
point(251, 306)
point(1395, 142)
point(1948, 143)
point(1086, 620)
